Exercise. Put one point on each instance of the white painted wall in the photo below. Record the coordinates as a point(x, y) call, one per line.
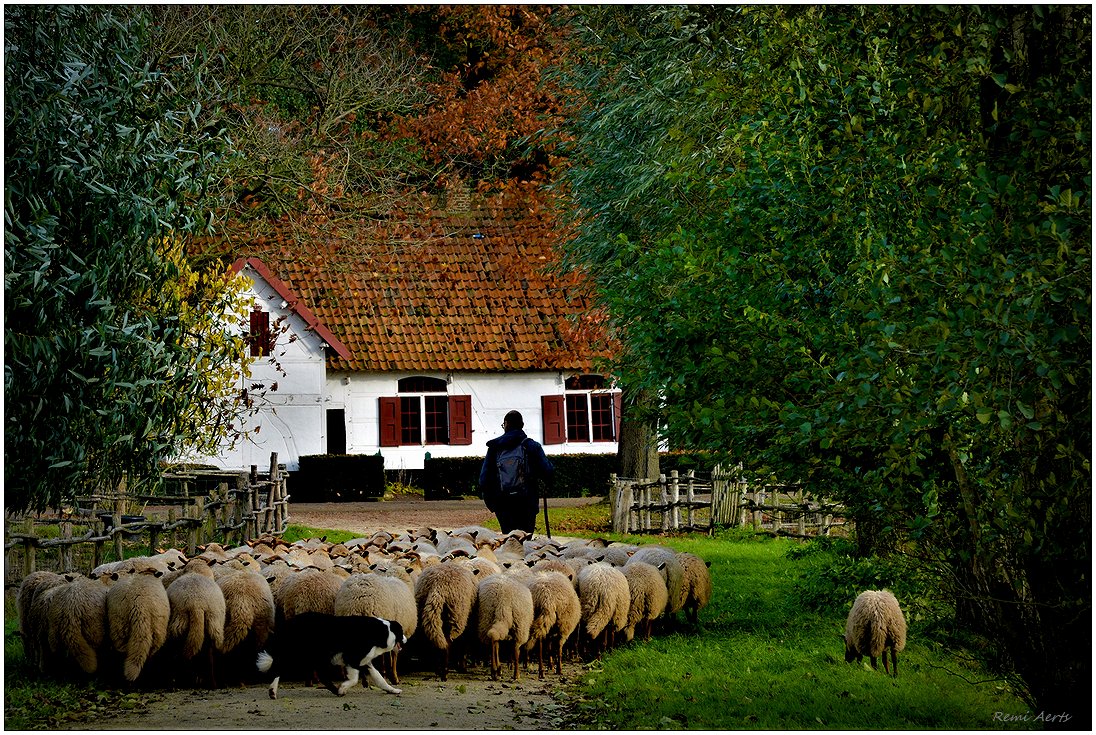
point(291, 419)
point(493, 395)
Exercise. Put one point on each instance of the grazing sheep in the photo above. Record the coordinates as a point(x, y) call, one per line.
point(698, 584)
point(672, 572)
point(445, 594)
point(249, 619)
point(875, 624)
point(505, 613)
point(138, 611)
point(618, 554)
point(197, 613)
point(33, 626)
point(77, 621)
point(605, 599)
point(556, 614)
point(648, 595)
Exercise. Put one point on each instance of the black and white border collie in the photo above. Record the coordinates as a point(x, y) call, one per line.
point(334, 647)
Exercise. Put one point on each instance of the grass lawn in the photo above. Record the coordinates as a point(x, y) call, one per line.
point(758, 660)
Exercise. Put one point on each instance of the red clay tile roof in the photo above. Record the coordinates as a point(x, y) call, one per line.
point(442, 292)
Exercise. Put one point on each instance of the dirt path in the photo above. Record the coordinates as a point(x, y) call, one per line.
point(469, 701)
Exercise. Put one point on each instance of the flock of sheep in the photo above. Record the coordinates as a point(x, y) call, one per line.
point(467, 592)
point(470, 591)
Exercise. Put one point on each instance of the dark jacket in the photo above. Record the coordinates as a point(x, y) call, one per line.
point(540, 468)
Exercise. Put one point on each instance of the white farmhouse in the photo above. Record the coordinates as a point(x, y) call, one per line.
point(414, 339)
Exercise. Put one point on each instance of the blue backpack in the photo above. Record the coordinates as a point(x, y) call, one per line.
point(513, 468)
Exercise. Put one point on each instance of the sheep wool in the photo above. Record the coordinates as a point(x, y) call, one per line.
point(605, 600)
point(698, 584)
point(647, 597)
point(307, 590)
point(875, 624)
point(556, 613)
point(445, 594)
point(33, 626)
point(673, 572)
point(249, 609)
point(505, 613)
point(197, 609)
point(138, 611)
point(378, 596)
point(77, 621)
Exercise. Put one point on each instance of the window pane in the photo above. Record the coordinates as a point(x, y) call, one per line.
point(410, 420)
point(421, 384)
point(601, 418)
point(578, 425)
point(585, 382)
point(437, 419)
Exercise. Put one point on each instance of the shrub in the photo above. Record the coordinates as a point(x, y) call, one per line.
point(332, 478)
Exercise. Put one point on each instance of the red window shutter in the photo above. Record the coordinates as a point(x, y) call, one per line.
point(259, 335)
point(390, 422)
point(618, 404)
point(460, 419)
point(555, 430)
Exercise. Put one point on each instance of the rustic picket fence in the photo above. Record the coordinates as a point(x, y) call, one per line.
point(194, 507)
point(691, 502)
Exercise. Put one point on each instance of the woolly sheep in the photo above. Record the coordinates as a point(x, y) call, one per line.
point(444, 595)
point(697, 582)
point(197, 610)
point(505, 613)
point(673, 572)
point(77, 620)
point(138, 611)
point(33, 626)
point(306, 590)
point(249, 612)
point(648, 595)
point(605, 599)
point(875, 624)
point(556, 614)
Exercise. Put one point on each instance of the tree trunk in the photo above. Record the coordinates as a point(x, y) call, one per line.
point(638, 447)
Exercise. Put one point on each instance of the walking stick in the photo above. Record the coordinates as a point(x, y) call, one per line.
point(546, 529)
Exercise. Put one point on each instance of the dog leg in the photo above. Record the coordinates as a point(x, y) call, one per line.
point(378, 680)
point(274, 687)
point(352, 679)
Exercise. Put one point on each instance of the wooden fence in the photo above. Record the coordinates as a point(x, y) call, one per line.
point(690, 502)
point(194, 508)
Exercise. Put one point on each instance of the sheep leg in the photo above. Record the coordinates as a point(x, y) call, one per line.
point(540, 659)
point(873, 662)
point(517, 655)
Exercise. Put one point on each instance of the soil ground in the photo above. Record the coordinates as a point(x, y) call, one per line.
point(466, 701)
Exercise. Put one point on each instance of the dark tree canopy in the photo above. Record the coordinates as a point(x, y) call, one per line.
point(851, 246)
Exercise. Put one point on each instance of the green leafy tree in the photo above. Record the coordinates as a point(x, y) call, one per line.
point(851, 246)
point(118, 353)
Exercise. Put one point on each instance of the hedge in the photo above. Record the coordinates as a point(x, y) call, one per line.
point(332, 478)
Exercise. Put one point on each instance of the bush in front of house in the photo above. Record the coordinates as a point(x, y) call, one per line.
point(334, 478)
point(577, 475)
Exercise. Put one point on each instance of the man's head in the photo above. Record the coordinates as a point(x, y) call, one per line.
point(512, 421)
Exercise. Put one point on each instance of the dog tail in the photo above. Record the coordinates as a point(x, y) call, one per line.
point(264, 661)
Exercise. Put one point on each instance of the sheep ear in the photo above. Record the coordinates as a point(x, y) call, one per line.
point(708, 564)
point(631, 551)
point(662, 565)
point(113, 576)
point(157, 573)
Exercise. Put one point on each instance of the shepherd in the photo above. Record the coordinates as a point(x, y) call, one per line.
point(513, 472)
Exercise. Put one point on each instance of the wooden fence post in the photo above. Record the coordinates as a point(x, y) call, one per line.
point(802, 514)
point(689, 494)
point(671, 518)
